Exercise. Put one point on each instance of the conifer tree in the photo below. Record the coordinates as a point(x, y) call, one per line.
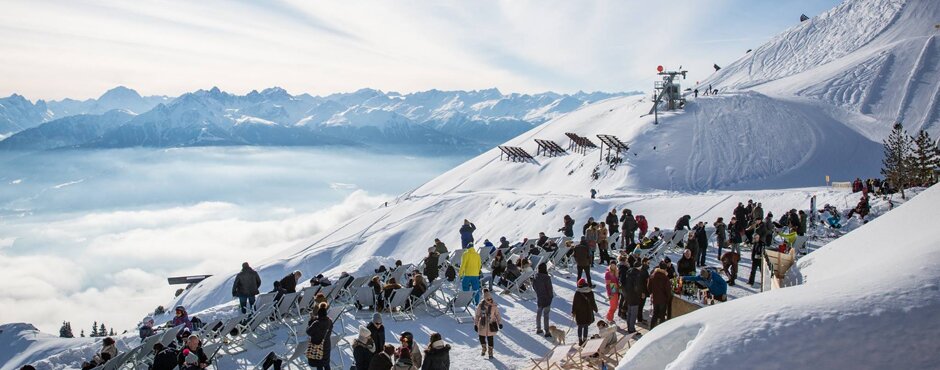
point(102, 331)
point(83, 333)
point(925, 158)
point(94, 330)
point(66, 330)
point(897, 161)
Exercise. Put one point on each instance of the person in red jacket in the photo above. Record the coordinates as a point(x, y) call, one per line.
point(642, 225)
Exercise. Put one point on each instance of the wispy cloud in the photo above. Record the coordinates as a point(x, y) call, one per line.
point(321, 47)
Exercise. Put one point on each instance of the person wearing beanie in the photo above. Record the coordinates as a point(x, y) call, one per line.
point(363, 348)
point(319, 331)
point(487, 322)
point(437, 355)
point(192, 357)
point(583, 308)
point(377, 332)
point(246, 287)
point(407, 340)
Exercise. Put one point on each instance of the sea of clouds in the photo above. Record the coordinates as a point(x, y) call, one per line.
point(92, 235)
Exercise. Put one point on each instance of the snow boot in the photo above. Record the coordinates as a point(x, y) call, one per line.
point(491, 352)
point(539, 332)
point(483, 353)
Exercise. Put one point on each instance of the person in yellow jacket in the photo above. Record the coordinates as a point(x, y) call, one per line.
point(469, 273)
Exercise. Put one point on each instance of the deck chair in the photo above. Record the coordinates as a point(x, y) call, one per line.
point(307, 295)
point(459, 306)
point(283, 307)
point(297, 358)
point(335, 313)
point(486, 253)
point(365, 297)
point(558, 357)
point(147, 347)
point(212, 351)
point(120, 360)
point(336, 341)
point(330, 292)
point(443, 259)
point(227, 326)
point(169, 336)
point(399, 273)
point(591, 352)
point(455, 257)
point(515, 286)
point(398, 304)
point(619, 349)
point(800, 244)
point(263, 300)
point(428, 298)
point(256, 331)
point(349, 293)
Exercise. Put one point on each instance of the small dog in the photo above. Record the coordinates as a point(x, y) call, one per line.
point(558, 335)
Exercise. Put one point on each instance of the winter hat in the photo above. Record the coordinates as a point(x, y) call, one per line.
point(377, 318)
point(364, 333)
point(582, 282)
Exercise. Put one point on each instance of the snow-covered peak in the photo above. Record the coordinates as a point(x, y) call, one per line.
point(119, 93)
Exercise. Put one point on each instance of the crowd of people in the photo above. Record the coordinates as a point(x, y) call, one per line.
point(629, 282)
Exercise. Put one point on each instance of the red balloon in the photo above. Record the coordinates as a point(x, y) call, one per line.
point(659, 68)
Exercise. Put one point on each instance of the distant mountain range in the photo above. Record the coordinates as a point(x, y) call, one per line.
point(435, 120)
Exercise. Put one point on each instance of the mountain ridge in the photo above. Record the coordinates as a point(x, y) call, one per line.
point(208, 117)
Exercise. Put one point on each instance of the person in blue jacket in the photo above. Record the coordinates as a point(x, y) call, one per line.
point(466, 233)
point(717, 286)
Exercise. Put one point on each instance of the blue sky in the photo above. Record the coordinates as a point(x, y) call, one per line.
point(56, 49)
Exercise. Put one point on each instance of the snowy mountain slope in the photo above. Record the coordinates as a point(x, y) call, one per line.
point(66, 132)
point(733, 141)
point(17, 114)
point(863, 305)
point(23, 343)
point(119, 97)
point(876, 59)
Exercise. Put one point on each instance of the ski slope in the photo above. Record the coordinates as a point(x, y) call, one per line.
point(876, 61)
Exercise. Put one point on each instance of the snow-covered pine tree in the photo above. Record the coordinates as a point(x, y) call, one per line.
point(94, 330)
point(925, 159)
point(111, 333)
point(82, 333)
point(66, 330)
point(102, 331)
point(897, 161)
